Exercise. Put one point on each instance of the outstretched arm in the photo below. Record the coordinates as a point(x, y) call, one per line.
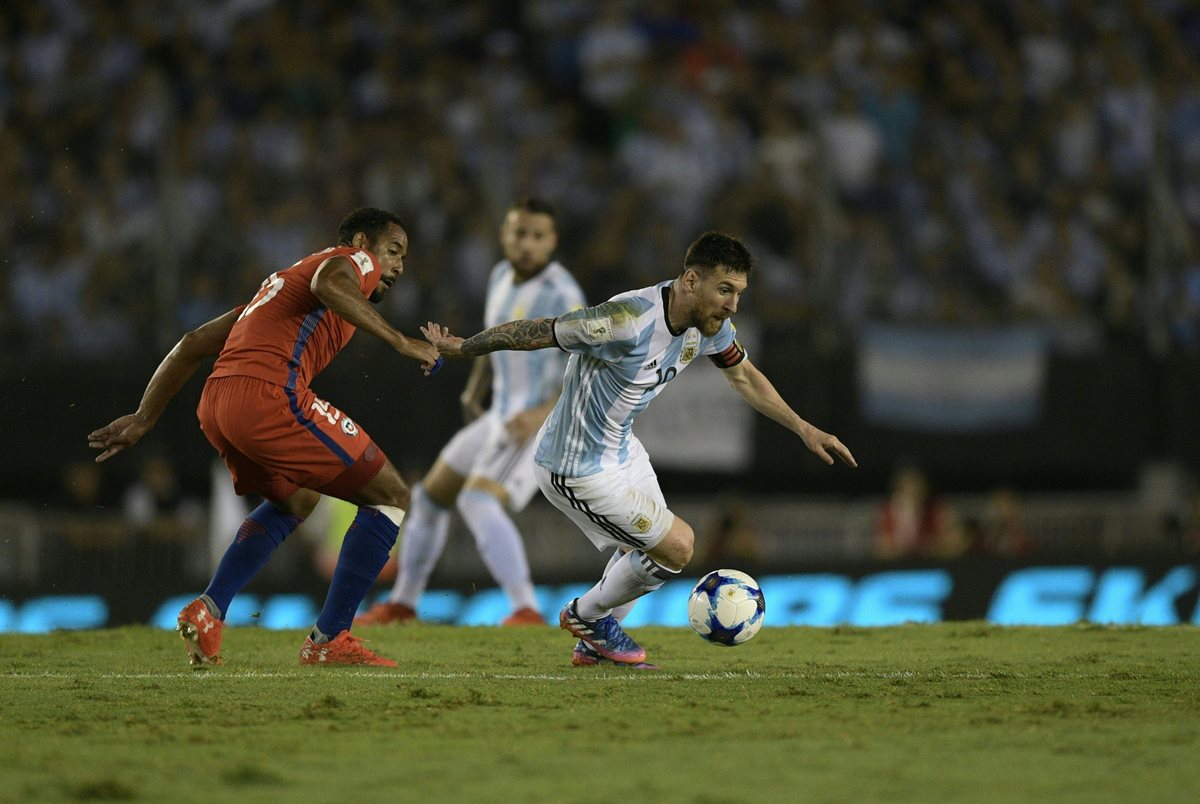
point(761, 395)
point(336, 286)
point(475, 392)
point(519, 336)
point(176, 368)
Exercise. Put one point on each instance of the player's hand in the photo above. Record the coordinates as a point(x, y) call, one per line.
point(826, 446)
point(116, 436)
point(523, 425)
point(427, 354)
point(449, 345)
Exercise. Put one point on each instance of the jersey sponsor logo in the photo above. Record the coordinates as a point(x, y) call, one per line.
point(363, 260)
point(599, 330)
point(349, 427)
point(642, 523)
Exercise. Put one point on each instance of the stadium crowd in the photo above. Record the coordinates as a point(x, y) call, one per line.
point(895, 160)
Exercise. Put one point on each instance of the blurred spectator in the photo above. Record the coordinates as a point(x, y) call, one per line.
point(914, 523)
point(92, 538)
point(611, 52)
point(155, 507)
point(732, 539)
point(997, 158)
point(1183, 527)
point(1002, 526)
point(165, 526)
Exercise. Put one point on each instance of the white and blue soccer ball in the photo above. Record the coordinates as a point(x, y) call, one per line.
point(726, 607)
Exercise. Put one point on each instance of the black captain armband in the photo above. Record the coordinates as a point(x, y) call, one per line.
point(730, 357)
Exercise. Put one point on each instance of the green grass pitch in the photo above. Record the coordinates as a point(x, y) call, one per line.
point(953, 712)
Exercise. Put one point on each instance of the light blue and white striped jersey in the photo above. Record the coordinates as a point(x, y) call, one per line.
point(622, 354)
point(522, 380)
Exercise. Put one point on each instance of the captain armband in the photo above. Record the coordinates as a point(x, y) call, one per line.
point(729, 358)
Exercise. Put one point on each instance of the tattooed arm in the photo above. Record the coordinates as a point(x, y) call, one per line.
point(520, 336)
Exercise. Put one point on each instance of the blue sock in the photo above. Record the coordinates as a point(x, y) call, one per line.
point(260, 533)
point(365, 550)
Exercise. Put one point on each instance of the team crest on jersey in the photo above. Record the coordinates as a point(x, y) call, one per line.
point(349, 427)
point(642, 523)
point(691, 345)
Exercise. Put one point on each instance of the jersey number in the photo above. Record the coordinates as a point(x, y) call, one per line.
point(662, 377)
point(267, 291)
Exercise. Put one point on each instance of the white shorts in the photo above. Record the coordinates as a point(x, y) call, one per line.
point(484, 449)
point(622, 507)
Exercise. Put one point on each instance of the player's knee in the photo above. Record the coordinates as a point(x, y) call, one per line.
point(686, 548)
point(675, 551)
point(394, 495)
point(401, 498)
point(472, 502)
point(300, 504)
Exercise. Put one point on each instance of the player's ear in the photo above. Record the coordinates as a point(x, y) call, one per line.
point(360, 240)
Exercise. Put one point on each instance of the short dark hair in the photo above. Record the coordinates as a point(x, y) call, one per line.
point(717, 248)
point(536, 206)
point(368, 220)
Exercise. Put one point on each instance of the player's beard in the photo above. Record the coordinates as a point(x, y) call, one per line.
point(710, 326)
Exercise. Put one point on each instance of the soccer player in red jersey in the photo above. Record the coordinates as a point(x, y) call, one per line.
point(282, 442)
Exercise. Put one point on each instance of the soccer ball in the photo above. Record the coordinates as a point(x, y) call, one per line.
point(726, 607)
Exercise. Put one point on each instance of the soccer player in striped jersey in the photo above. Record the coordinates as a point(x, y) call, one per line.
point(488, 465)
point(591, 466)
point(281, 441)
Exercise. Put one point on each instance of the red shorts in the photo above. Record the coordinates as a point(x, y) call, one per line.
point(276, 441)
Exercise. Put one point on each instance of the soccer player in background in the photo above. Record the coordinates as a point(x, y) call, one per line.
point(591, 466)
point(488, 465)
point(282, 442)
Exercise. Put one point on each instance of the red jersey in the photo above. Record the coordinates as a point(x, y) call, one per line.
point(285, 335)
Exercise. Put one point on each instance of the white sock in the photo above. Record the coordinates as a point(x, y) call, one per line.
point(622, 611)
point(426, 528)
point(624, 581)
point(500, 546)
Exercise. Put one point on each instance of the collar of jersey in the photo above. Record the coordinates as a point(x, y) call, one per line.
point(666, 294)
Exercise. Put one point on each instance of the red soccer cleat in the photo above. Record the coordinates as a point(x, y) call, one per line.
point(524, 616)
point(201, 632)
point(344, 649)
point(386, 614)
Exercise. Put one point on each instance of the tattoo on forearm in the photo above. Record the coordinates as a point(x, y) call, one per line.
point(521, 336)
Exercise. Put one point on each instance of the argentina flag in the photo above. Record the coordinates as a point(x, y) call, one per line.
point(952, 380)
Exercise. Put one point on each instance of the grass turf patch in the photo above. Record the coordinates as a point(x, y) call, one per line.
point(945, 712)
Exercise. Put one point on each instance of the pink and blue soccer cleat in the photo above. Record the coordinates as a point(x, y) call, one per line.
point(604, 636)
point(583, 656)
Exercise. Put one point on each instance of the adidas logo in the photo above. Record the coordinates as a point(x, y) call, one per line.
point(650, 365)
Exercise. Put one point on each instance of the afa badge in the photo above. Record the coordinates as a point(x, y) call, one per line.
point(642, 523)
point(691, 345)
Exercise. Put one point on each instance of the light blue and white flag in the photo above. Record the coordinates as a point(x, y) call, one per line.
point(952, 380)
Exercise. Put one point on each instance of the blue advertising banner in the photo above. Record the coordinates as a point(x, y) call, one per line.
point(1040, 595)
